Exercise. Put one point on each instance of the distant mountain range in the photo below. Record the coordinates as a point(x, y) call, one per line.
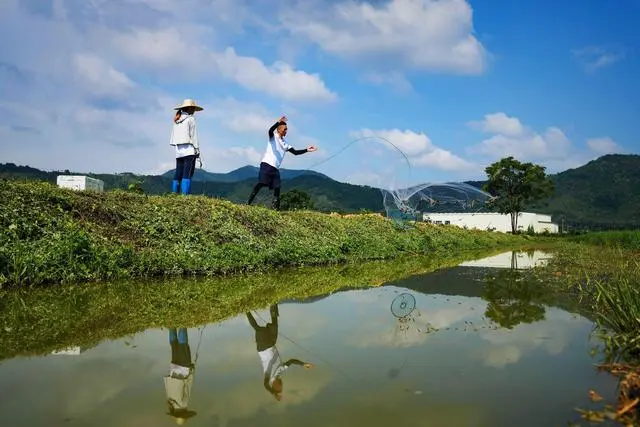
point(604, 193)
point(243, 173)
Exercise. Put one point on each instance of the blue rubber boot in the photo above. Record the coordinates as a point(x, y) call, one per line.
point(175, 185)
point(186, 186)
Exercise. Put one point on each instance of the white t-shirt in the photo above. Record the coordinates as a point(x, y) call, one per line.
point(276, 149)
point(271, 363)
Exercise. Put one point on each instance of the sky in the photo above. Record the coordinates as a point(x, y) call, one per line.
point(451, 85)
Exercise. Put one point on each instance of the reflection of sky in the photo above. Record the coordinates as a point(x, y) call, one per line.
point(367, 371)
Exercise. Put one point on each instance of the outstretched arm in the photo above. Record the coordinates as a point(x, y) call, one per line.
point(252, 321)
point(309, 149)
point(298, 362)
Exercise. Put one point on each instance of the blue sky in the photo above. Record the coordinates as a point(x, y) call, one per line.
point(455, 84)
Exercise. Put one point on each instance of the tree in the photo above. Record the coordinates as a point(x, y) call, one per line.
point(515, 185)
point(295, 200)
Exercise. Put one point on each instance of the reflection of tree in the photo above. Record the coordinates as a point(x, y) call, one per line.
point(515, 297)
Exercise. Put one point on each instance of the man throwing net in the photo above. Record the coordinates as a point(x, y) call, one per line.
point(277, 147)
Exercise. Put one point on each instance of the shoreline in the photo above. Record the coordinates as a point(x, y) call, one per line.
point(61, 236)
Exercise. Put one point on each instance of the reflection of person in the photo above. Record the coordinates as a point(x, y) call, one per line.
point(269, 175)
point(272, 366)
point(185, 138)
point(180, 379)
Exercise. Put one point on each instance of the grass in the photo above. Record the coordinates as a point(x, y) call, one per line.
point(57, 235)
point(618, 239)
point(88, 314)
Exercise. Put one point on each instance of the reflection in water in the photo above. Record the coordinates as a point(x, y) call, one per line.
point(514, 260)
point(451, 348)
point(272, 366)
point(180, 379)
point(515, 298)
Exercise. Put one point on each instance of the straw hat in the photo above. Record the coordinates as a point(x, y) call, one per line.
point(189, 103)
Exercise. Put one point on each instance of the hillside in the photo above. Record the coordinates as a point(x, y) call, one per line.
point(62, 235)
point(604, 193)
point(243, 173)
point(327, 194)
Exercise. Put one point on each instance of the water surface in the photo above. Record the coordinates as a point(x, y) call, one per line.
point(467, 355)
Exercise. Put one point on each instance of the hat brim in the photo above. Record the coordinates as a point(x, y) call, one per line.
point(195, 107)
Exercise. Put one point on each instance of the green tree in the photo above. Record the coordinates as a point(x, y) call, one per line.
point(295, 200)
point(515, 185)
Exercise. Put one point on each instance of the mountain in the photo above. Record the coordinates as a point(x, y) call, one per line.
point(604, 193)
point(240, 174)
point(327, 194)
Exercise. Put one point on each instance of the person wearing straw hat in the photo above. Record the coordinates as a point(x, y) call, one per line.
point(277, 147)
point(178, 382)
point(185, 138)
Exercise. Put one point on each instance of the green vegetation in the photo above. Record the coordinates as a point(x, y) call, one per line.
point(57, 235)
point(86, 315)
point(296, 200)
point(516, 185)
point(615, 239)
point(603, 194)
point(606, 281)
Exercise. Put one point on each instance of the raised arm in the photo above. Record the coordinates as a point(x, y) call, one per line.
point(281, 121)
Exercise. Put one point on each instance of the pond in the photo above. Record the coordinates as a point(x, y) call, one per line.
point(447, 348)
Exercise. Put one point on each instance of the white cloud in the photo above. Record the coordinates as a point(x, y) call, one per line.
point(593, 58)
point(551, 147)
point(603, 145)
point(433, 35)
point(394, 79)
point(418, 147)
point(511, 138)
point(500, 123)
point(279, 80)
point(166, 48)
point(102, 78)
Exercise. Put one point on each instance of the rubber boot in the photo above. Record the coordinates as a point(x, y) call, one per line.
point(175, 185)
point(186, 186)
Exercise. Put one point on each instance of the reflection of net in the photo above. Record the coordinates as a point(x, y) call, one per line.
point(403, 305)
point(405, 331)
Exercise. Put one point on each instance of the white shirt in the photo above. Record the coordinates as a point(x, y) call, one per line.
point(184, 136)
point(276, 149)
point(271, 363)
point(177, 385)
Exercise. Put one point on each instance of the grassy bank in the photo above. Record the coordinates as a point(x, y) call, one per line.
point(55, 235)
point(606, 281)
point(86, 315)
point(615, 239)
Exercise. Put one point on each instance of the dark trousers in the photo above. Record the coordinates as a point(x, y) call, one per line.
point(185, 167)
point(266, 336)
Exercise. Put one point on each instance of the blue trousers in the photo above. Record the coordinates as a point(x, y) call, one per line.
point(185, 168)
point(178, 336)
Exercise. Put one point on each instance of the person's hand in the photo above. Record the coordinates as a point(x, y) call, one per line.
point(308, 365)
point(283, 119)
point(311, 148)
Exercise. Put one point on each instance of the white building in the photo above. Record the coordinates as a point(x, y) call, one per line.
point(493, 221)
point(80, 183)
